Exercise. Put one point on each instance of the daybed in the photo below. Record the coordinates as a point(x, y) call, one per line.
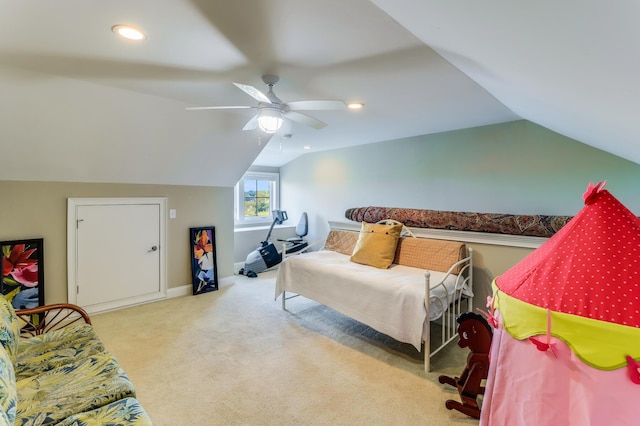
point(55, 370)
point(428, 280)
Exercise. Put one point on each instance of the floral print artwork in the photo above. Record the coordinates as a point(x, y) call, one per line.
point(22, 273)
point(203, 260)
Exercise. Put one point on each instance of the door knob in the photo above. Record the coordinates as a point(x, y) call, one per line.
point(154, 248)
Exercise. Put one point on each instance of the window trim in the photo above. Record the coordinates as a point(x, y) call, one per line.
point(239, 219)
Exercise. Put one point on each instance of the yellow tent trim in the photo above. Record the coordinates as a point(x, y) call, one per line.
point(600, 344)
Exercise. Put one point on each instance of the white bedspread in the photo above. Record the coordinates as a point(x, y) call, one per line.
point(388, 300)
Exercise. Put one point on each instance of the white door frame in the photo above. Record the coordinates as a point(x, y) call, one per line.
point(74, 203)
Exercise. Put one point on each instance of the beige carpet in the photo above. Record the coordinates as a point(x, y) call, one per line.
point(233, 357)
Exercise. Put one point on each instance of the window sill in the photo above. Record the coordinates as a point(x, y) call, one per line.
point(249, 228)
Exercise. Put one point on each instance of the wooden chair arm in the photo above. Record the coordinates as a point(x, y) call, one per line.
point(41, 319)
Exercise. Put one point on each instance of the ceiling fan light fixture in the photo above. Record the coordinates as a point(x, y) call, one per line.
point(355, 105)
point(271, 111)
point(270, 120)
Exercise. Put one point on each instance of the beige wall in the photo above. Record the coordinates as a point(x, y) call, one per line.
point(39, 209)
point(489, 262)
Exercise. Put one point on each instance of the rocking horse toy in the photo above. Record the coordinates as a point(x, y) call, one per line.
point(475, 333)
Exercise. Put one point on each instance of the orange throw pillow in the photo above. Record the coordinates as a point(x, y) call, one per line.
point(376, 245)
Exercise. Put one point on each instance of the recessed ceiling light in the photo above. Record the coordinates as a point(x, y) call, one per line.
point(355, 105)
point(307, 147)
point(129, 32)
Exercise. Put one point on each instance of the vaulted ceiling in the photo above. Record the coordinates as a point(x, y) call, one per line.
point(78, 103)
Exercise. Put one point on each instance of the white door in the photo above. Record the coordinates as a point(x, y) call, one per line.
point(118, 253)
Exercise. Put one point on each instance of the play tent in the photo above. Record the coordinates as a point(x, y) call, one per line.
point(567, 325)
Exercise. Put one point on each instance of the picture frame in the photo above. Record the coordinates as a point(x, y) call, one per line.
point(22, 280)
point(204, 269)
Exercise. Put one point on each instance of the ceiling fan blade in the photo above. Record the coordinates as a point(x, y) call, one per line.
point(253, 92)
point(251, 124)
point(316, 105)
point(219, 107)
point(305, 119)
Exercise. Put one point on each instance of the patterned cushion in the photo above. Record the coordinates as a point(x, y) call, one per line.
point(8, 395)
point(85, 385)
point(125, 411)
point(56, 348)
point(4, 420)
point(425, 253)
point(341, 241)
point(9, 328)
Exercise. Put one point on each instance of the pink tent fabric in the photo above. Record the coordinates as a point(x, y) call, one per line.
point(529, 387)
point(590, 268)
point(578, 295)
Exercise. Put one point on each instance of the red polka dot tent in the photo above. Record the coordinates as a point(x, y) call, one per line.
point(567, 340)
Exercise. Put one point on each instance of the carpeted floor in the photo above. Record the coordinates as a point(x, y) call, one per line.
point(234, 357)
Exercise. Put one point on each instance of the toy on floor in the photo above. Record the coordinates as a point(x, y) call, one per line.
point(475, 333)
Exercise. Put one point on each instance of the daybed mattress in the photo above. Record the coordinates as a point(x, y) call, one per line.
point(388, 300)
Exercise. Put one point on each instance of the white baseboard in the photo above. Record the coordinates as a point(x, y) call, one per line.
point(184, 290)
point(187, 290)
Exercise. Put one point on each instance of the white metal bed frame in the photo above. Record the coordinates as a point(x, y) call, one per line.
point(448, 326)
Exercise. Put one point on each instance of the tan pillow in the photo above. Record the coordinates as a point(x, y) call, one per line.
point(341, 241)
point(376, 245)
point(425, 253)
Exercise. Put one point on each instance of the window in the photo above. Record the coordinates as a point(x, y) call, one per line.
point(256, 196)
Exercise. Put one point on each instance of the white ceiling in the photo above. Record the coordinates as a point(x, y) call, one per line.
point(79, 104)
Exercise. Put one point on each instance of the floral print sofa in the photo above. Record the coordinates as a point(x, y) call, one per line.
point(54, 369)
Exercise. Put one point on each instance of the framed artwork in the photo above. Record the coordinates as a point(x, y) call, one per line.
point(204, 270)
point(23, 272)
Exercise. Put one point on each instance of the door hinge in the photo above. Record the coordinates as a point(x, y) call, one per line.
point(77, 289)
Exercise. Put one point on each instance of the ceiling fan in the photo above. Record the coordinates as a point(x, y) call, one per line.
point(271, 111)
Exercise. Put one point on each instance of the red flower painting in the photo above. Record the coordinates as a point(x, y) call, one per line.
point(22, 274)
point(20, 265)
